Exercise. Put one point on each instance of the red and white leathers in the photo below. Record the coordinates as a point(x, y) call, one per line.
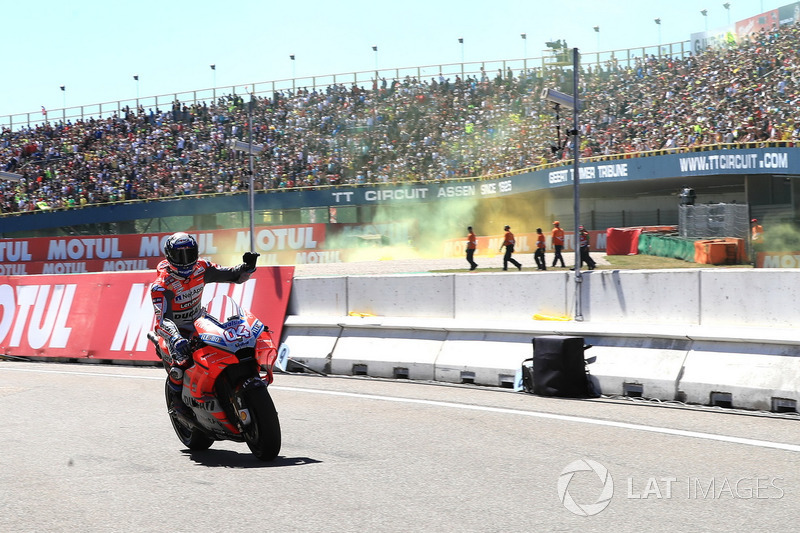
point(177, 299)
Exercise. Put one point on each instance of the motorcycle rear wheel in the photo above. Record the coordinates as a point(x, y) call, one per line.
point(192, 438)
point(263, 435)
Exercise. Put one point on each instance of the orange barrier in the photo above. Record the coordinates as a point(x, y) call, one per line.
point(727, 251)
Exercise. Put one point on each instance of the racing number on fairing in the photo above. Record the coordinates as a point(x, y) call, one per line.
point(242, 331)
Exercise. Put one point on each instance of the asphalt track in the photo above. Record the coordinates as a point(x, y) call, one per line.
point(89, 448)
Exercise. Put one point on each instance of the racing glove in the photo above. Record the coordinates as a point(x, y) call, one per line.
point(179, 348)
point(249, 259)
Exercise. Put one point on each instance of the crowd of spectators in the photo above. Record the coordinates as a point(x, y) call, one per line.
point(408, 129)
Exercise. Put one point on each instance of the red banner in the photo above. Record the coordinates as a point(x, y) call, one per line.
point(73, 255)
point(278, 245)
point(107, 315)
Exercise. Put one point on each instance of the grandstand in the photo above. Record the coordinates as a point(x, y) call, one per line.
point(439, 146)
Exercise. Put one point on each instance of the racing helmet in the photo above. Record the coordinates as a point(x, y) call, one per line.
point(180, 250)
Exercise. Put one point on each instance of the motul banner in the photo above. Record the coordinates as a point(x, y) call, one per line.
point(107, 315)
point(278, 245)
point(74, 255)
point(778, 260)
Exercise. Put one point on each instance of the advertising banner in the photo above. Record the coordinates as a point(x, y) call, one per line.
point(278, 245)
point(107, 315)
point(778, 260)
point(75, 255)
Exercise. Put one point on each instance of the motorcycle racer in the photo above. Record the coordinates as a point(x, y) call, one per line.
point(176, 295)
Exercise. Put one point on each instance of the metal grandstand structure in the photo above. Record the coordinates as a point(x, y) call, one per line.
point(548, 60)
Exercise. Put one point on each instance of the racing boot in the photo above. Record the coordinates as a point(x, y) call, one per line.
point(174, 389)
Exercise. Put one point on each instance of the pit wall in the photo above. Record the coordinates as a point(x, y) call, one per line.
point(705, 336)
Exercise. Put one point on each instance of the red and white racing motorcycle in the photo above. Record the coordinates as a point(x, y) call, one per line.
point(226, 385)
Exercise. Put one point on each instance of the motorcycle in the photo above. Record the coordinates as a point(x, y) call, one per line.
point(226, 384)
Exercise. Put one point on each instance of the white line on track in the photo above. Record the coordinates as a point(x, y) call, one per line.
point(501, 410)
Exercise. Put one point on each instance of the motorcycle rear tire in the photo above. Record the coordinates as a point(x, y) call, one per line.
point(192, 438)
point(263, 436)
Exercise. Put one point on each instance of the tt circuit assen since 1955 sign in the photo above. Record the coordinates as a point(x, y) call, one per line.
point(107, 315)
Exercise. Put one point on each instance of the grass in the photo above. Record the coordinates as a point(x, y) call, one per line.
point(633, 262)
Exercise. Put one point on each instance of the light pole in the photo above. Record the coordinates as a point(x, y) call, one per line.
point(597, 31)
point(375, 49)
point(252, 180)
point(136, 78)
point(658, 23)
point(727, 7)
point(213, 67)
point(461, 42)
point(251, 149)
point(291, 58)
point(64, 104)
point(704, 12)
point(572, 102)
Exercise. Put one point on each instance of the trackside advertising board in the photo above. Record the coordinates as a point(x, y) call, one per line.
point(76, 255)
point(107, 315)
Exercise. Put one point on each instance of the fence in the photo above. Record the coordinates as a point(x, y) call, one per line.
point(551, 59)
point(713, 221)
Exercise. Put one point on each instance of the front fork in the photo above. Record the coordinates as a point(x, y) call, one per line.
point(244, 417)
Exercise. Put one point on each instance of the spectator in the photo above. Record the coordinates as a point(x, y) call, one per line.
point(409, 129)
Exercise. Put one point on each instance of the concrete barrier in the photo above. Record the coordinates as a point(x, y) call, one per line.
point(766, 298)
point(706, 336)
point(748, 375)
point(642, 296)
point(482, 357)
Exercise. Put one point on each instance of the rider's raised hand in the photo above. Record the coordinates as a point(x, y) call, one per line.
point(249, 259)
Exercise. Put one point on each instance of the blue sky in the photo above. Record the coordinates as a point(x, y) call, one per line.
point(94, 48)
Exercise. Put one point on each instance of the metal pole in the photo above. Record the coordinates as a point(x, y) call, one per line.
point(576, 186)
point(252, 180)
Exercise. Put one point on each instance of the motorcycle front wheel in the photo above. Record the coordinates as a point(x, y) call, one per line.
point(263, 435)
point(194, 439)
